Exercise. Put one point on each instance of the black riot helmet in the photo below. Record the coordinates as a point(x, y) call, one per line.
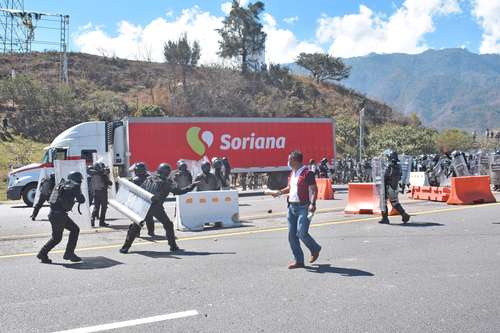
point(164, 170)
point(217, 163)
point(456, 153)
point(140, 168)
point(181, 165)
point(75, 177)
point(497, 152)
point(98, 166)
point(205, 167)
point(324, 160)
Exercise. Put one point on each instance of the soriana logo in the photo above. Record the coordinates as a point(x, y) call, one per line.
point(200, 141)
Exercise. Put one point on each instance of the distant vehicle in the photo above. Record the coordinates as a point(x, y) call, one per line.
point(252, 145)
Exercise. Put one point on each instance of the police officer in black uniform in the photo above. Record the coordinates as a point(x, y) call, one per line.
point(392, 176)
point(217, 165)
point(61, 201)
point(160, 185)
point(100, 182)
point(206, 180)
point(182, 177)
point(46, 186)
point(140, 175)
point(227, 170)
point(323, 168)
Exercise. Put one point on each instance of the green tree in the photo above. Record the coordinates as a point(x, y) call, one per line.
point(403, 139)
point(181, 54)
point(150, 111)
point(454, 139)
point(323, 66)
point(105, 105)
point(242, 34)
point(347, 135)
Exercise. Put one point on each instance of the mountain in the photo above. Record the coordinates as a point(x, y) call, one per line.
point(445, 88)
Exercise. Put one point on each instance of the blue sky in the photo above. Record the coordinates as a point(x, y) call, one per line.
point(137, 29)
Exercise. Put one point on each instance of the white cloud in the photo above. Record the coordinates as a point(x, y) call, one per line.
point(291, 20)
point(281, 45)
point(144, 43)
point(487, 12)
point(365, 32)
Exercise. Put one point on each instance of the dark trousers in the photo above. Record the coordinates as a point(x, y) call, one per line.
point(39, 204)
point(100, 205)
point(156, 211)
point(59, 222)
point(150, 224)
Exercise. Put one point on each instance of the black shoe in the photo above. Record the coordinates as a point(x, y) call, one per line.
point(92, 222)
point(406, 218)
point(175, 248)
point(384, 221)
point(124, 250)
point(44, 259)
point(72, 257)
point(33, 217)
point(151, 234)
point(103, 224)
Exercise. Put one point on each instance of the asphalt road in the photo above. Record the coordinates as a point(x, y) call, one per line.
point(439, 273)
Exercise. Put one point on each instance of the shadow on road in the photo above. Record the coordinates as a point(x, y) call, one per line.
point(419, 224)
point(327, 268)
point(24, 206)
point(92, 263)
point(495, 223)
point(176, 255)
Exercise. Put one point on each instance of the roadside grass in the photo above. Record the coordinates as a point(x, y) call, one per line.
point(14, 153)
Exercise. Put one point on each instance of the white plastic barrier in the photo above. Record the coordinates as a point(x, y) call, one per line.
point(62, 168)
point(131, 200)
point(419, 179)
point(196, 209)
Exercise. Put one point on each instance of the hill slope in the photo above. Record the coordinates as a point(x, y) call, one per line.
point(446, 88)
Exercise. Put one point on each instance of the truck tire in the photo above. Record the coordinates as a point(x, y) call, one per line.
point(277, 180)
point(28, 194)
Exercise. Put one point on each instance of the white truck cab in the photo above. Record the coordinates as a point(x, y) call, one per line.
point(78, 142)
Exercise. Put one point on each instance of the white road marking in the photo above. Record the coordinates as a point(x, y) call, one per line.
point(135, 322)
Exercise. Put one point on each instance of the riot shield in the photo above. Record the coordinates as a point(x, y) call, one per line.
point(44, 172)
point(379, 165)
point(495, 170)
point(131, 200)
point(484, 164)
point(459, 166)
point(62, 168)
point(405, 161)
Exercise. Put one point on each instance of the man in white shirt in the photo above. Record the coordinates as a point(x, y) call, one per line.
point(302, 195)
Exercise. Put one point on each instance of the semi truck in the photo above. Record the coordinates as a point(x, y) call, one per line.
point(252, 145)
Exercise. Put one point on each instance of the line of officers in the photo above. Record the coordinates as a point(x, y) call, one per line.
point(63, 196)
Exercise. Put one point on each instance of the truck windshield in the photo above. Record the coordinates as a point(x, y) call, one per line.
point(45, 158)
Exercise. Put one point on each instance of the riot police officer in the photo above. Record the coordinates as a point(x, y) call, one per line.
point(160, 185)
point(182, 177)
point(46, 186)
point(140, 175)
point(61, 201)
point(323, 168)
point(100, 182)
point(217, 165)
point(392, 177)
point(206, 180)
point(227, 170)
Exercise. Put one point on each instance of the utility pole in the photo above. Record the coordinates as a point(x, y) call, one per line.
point(361, 121)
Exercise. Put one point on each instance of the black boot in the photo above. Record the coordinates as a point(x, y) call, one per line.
point(385, 218)
point(133, 232)
point(44, 258)
point(72, 257)
point(92, 221)
point(404, 216)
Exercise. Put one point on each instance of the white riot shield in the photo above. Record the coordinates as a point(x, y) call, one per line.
point(131, 200)
point(43, 173)
point(379, 165)
point(460, 167)
point(62, 168)
point(107, 159)
point(195, 166)
point(495, 169)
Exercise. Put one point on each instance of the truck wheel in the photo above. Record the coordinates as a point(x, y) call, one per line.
point(277, 180)
point(28, 194)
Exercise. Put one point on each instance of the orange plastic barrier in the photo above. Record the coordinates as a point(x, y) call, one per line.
point(440, 194)
point(470, 190)
point(361, 199)
point(325, 190)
